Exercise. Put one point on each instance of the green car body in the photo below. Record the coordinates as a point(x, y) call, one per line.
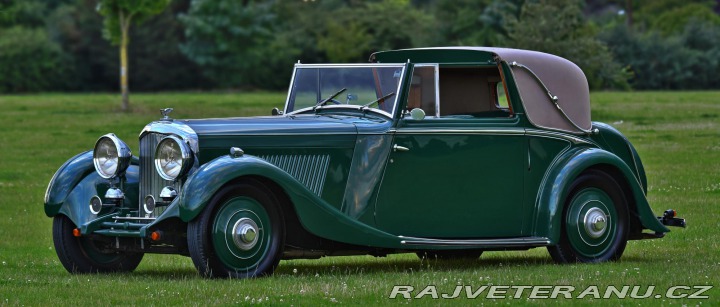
point(349, 178)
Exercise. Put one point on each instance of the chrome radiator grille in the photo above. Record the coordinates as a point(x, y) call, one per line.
point(150, 181)
point(310, 170)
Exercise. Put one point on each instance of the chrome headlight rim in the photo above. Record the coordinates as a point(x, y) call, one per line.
point(185, 158)
point(124, 156)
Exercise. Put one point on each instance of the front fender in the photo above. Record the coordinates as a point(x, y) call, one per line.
point(556, 185)
point(65, 179)
point(76, 181)
point(316, 216)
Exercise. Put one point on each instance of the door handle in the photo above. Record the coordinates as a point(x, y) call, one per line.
point(397, 147)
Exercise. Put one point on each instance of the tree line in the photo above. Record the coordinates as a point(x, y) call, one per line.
point(58, 45)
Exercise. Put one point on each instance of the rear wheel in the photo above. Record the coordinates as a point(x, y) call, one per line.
point(83, 255)
point(595, 223)
point(239, 235)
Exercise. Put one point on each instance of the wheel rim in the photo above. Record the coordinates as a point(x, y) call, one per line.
point(241, 234)
point(591, 222)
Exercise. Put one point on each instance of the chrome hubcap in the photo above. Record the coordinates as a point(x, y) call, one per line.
point(245, 233)
point(595, 222)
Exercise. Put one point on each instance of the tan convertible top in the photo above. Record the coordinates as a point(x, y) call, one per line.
point(563, 79)
point(559, 78)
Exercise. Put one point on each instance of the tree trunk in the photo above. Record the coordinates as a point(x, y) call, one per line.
point(124, 65)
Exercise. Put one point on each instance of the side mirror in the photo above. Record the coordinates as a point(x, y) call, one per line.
point(276, 112)
point(417, 114)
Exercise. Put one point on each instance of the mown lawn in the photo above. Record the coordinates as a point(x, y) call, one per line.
point(676, 133)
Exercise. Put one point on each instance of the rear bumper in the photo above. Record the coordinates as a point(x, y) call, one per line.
point(669, 219)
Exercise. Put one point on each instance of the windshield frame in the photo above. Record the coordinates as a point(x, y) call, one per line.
point(395, 97)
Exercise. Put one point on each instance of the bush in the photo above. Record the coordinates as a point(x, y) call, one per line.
point(689, 60)
point(29, 61)
point(558, 27)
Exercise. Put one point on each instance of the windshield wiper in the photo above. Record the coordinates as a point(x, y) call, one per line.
point(377, 100)
point(324, 101)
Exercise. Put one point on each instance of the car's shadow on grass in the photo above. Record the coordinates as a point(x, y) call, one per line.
point(406, 264)
point(402, 265)
point(410, 265)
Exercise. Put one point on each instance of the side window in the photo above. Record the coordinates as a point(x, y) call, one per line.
point(501, 100)
point(472, 92)
point(423, 90)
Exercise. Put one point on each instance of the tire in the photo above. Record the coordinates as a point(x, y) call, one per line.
point(594, 196)
point(81, 255)
point(218, 253)
point(450, 254)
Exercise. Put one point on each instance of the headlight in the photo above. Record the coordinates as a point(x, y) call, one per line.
point(111, 156)
point(172, 158)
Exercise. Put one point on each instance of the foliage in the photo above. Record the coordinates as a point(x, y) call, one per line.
point(254, 43)
point(120, 14)
point(378, 25)
point(234, 43)
point(474, 22)
point(668, 129)
point(250, 44)
point(675, 13)
point(557, 27)
point(29, 61)
point(154, 56)
point(25, 13)
point(344, 42)
point(688, 60)
point(674, 20)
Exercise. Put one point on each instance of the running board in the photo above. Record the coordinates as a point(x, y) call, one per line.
point(477, 243)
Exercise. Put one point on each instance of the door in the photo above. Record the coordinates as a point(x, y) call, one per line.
point(455, 175)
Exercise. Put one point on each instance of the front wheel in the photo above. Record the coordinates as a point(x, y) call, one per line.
point(239, 235)
point(84, 255)
point(595, 221)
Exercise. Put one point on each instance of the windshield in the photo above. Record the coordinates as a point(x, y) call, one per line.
point(373, 86)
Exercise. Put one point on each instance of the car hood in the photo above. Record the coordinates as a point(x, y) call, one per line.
point(271, 125)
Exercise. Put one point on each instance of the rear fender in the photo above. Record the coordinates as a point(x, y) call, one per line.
point(556, 185)
point(316, 216)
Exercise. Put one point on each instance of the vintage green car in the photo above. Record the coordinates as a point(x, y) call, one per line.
point(443, 152)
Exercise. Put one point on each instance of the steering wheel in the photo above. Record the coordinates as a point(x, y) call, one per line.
point(335, 101)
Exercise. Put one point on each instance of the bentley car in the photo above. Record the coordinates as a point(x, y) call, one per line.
point(443, 152)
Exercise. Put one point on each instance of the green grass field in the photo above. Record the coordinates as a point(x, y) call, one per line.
point(676, 133)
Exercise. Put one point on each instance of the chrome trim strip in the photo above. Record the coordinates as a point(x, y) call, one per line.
point(558, 135)
point(513, 131)
point(341, 106)
point(436, 71)
point(291, 134)
point(544, 181)
point(133, 218)
point(437, 91)
point(290, 87)
point(397, 95)
point(635, 164)
point(173, 127)
point(539, 241)
point(348, 65)
point(150, 181)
